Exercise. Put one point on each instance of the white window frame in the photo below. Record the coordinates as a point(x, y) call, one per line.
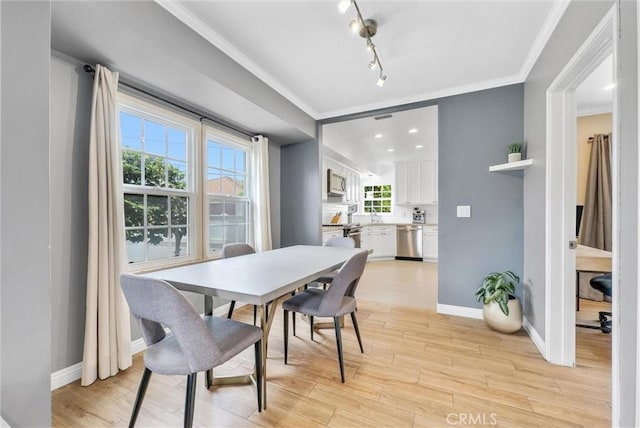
point(146, 110)
point(231, 140)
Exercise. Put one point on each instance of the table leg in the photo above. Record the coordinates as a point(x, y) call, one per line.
point(208, 311)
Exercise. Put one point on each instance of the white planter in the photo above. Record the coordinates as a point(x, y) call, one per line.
point(498, 321)
point(514, 157)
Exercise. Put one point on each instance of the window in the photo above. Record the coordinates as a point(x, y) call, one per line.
point(377, 199)
point(157, 177)
point(227, 193)
point(185, 195)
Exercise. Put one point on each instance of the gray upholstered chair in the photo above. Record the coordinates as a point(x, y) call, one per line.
point(335, 302)
point(235, 250)
point(194, 344)
point(335, 241)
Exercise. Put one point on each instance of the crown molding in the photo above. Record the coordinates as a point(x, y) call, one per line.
point(196, 24)
point(551, 22)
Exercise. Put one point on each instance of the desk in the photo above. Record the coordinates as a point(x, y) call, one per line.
point(590, 259)
point(258, 279)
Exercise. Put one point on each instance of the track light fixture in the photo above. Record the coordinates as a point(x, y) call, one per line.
point(366, 28)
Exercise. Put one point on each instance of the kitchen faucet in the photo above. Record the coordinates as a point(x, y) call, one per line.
point(374, 215)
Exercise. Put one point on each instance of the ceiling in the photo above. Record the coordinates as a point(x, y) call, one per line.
point(429, 49)
point(370, 141)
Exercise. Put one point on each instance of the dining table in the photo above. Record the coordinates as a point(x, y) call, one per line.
point(258, 279)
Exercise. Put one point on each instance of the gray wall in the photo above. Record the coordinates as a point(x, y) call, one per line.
point(24, 213)
point(71, 91)
point(274, 192)
point(577, 23)
point(301, 213)
point(474, 130)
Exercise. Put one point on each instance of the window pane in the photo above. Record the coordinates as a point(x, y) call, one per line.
point(228, 158)
point(154, 138)
point(227, 185)
point(135, 245)
point(177, 175)
point(227, 223)
point(157, 208)
point(179, 241)
point(177, 144)
point(158, 244)
point(240, 160)
point(213, 181)
point(239, 185)
point(133, 210)
point(213, 154)
point(130, 126)
point(154, 171)
point(179, 210)
point(131, 167)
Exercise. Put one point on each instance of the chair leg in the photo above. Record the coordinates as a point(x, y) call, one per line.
point(190, 400)
point(355, 327)
point(142, 389)
point(286, 334)
point(258, 349)
point(255, 314)
point(311, 325)
point(293, 321)
point(232, 306)
point(336, 323)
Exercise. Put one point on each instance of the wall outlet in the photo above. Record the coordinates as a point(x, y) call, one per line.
point(464, 210)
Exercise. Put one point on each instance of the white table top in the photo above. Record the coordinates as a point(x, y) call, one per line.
point(257, 278)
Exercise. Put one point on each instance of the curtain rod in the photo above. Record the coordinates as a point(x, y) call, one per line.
point(89, 69)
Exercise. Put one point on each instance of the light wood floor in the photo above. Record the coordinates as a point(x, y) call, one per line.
point(419, 369)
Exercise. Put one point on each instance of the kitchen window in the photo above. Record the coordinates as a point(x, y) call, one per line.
point(377, 198)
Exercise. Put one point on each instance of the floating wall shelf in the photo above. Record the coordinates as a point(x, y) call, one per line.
point(512, 166)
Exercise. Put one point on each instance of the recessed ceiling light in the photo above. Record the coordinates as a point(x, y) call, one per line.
point(390, 150)
point(377, 136)
point(413, 130)
point(419, 146)
point(611, 86)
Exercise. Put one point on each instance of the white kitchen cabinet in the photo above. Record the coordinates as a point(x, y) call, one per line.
point(430, 243)
point(380, 239)
point(330, 234)
point(416, 183)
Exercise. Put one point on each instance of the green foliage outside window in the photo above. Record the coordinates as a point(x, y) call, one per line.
point(160, 173)
point(377, 198)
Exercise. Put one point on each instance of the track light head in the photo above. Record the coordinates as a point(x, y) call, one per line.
point(381, 79)
point(370, 45)
point(373, 64)
point(355, 26)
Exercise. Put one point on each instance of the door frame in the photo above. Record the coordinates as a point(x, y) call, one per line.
point(560, 260)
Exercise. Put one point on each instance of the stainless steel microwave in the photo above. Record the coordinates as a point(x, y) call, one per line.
point(336, 184)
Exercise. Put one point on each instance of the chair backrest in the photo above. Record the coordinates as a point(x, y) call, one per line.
point(344, 283)
point(340, 241)
point(237, 249)
point(155, 303)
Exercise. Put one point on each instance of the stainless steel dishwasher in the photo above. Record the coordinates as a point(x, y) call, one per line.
point(409, 242)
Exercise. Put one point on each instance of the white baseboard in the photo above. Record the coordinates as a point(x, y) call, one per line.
point(534, 336)
point(66, 376)
point(459, 311)
point(72, 373)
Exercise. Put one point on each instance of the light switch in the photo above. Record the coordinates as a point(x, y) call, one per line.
point(464, 210)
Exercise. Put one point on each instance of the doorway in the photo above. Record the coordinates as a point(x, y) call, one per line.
point(560, 335)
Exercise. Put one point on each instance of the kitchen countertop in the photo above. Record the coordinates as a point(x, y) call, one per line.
point(339, 226)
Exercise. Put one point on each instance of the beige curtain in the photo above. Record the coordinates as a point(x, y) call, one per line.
point(107, 337)
point(260, 193)
point(596, 219)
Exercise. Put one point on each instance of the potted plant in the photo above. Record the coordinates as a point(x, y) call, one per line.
point(501, 309)
point(514, 152)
